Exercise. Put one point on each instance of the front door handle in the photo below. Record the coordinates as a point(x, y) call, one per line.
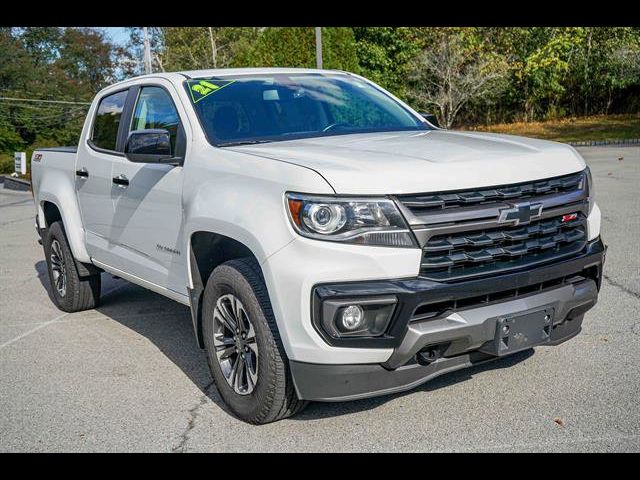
point(121, 180)
point(82, 173)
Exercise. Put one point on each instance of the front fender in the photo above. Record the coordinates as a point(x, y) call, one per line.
point(241, 196)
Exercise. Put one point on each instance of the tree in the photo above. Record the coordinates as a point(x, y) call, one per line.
point(192, 48)
point(50, 64)
point(606, 62)
point(87, 59)
point(295, 47)
point(453, 72)
point(385, 54)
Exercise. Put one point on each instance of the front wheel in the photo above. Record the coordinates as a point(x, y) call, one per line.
point(244, 350)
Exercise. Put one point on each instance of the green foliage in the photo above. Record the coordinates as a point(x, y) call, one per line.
point(7, 164)
point(454, 71)
point(385, 54)
point(558, 71)
point(295, 47)
point(193, 48)
point(69, 64)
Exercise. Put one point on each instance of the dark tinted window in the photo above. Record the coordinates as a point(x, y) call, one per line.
point(155, 109)
point(105, 126)
point(249, 108)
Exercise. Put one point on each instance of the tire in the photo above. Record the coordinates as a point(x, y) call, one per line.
point(269, 395)
point(75, 293)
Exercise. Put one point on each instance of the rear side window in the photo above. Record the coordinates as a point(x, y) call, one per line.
point(107, 121)
point(155, 109)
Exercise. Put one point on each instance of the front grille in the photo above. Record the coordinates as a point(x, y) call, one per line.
point(520, 192)
point(473, 253)
point(462, 237)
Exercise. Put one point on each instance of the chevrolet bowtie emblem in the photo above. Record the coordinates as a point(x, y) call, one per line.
point(520, 213)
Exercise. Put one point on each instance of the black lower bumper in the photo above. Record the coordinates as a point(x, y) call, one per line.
point(456, 342)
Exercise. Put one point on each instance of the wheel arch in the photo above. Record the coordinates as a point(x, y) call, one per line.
point(52, 213)
point(56, 202)
point(207, 250)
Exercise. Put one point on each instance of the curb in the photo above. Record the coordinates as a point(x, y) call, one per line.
point(16, 184)
point(599, 143)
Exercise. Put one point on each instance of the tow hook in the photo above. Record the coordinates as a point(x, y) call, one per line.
point(430, 354)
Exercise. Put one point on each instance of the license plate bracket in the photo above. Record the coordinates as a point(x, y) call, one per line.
point(521, 331)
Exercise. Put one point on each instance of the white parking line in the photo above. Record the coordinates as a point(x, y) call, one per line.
point(29, 332)
point(44, 324)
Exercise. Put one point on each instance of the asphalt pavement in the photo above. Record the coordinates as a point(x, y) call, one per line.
point(128, 376)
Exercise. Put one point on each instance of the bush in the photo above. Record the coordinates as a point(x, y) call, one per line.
point(6, 163)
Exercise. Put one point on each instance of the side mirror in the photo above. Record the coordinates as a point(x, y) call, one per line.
point(431, 118)
point(149, 146)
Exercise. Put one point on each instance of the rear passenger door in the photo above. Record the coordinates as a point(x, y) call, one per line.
point(146, 224)
point(93, 172)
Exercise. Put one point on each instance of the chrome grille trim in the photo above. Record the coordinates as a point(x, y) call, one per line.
point(461, 235)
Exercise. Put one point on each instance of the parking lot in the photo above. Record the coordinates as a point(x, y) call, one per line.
point(128, 376)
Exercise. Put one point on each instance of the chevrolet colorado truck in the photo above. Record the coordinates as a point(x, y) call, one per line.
point(331, 243)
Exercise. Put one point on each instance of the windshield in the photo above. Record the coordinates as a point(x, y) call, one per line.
point(264, 108)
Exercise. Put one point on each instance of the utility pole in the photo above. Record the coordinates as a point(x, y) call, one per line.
point(319, 47)
point(147, 51)
point(214, 49)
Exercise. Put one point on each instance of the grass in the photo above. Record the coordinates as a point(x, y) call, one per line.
point(598, 127)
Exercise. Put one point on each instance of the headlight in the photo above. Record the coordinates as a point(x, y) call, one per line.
point(366, 221)
point(590, 189)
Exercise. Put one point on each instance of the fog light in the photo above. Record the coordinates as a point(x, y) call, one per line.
point(357, 317)
point(352, 317)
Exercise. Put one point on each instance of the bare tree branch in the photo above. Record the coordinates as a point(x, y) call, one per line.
point(449, 76)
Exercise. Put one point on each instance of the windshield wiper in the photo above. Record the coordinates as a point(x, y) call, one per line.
point(243, 142)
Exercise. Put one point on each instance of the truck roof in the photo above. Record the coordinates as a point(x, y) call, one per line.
point(218, 72)
point(244, 71)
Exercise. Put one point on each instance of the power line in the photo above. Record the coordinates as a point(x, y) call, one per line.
point(46, 108)
point(62, 115)
point(41, 122)
point(44, 101)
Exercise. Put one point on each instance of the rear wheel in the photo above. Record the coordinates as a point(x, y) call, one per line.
point(69, 291)
point(244, 350)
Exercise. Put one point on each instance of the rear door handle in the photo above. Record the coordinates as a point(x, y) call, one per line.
point(121, 181)
point(82, 173)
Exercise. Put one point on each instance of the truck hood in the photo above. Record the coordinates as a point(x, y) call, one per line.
point(414, 162)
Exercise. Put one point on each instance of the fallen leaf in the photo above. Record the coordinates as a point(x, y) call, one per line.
point(620, 159)
point(559, 421)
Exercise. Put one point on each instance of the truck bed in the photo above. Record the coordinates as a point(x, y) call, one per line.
point(53, 172)
point(71, 149)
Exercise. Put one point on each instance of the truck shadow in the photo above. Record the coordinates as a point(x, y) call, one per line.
point(167, 324)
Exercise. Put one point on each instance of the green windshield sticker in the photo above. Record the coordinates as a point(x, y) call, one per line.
point(200, 89)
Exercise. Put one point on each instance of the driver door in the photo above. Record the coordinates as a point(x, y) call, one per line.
point(146, 223)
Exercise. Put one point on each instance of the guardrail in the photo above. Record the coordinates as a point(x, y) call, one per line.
point(604, 143)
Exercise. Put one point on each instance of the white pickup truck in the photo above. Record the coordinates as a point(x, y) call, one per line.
point(331, 243)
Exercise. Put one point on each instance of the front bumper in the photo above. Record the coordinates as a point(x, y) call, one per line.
point(458, 338)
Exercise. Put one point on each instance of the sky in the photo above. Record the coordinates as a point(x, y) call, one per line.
point(118, 34)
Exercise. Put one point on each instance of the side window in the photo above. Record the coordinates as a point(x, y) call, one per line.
point(107, 121)
point(155, 109)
